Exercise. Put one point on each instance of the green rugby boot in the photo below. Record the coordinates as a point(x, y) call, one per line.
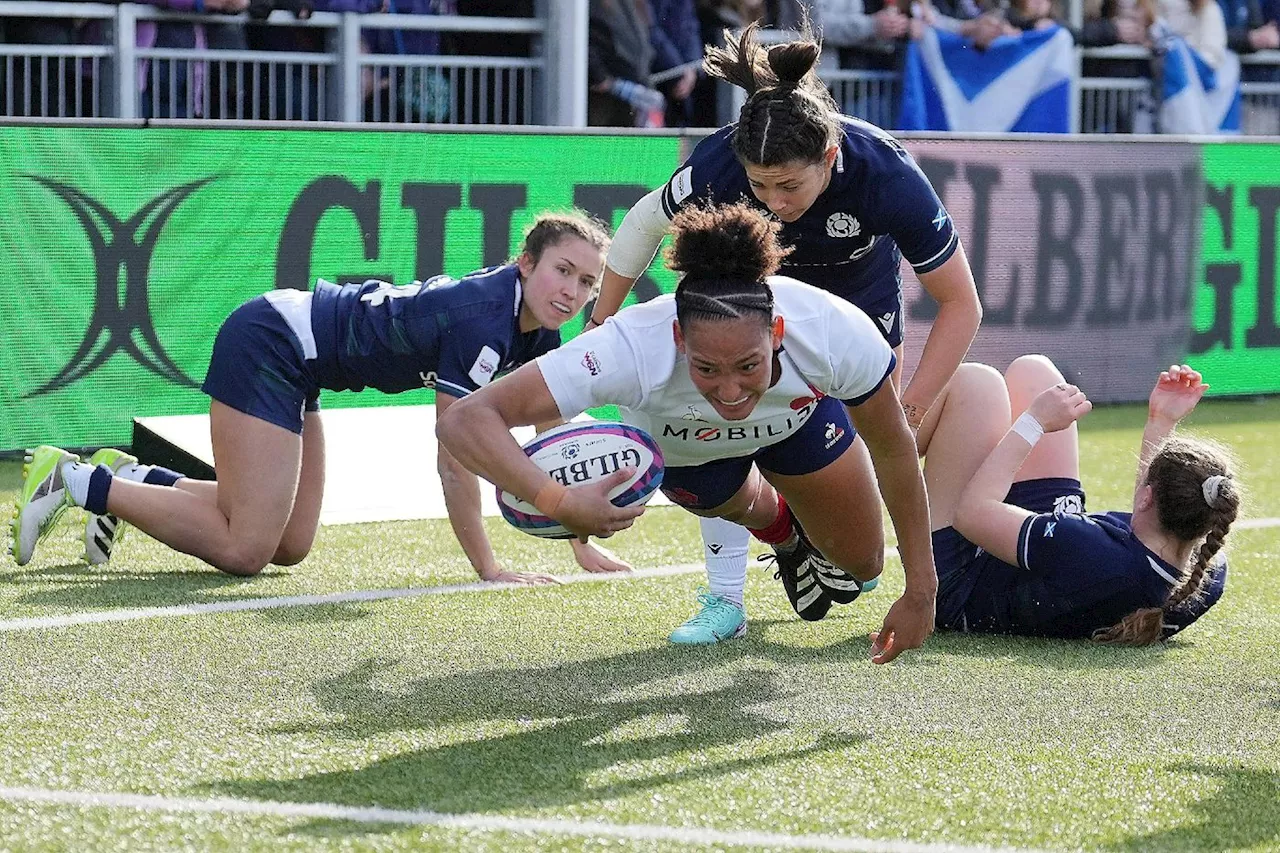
point(43, 498)
point(718, 619)
point(102, 532)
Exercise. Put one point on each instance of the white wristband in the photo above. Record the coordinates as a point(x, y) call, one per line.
point(1029, 428)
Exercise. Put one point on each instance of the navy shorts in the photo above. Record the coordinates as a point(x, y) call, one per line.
point(258, 367)
point(822, 440)
point(960, 562)
point(885, 310)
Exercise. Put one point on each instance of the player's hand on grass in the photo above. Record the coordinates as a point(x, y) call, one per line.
point(907, 625)
point(587, 510)
point(527, 578)
point(595, 559)
point(1176, 394)
point(1059, 407)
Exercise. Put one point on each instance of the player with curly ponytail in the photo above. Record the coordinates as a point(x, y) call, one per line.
point(1015, 550)
point(849, 200)
point(752, 385)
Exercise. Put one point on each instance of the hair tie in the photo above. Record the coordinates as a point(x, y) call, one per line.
point(1211, 488)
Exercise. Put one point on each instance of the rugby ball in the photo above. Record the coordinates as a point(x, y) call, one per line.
point(581, 453)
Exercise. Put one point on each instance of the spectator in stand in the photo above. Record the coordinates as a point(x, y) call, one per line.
point(177, 88)
point(870, 35)
point(974, 20)
point(1108, 22)
point(619, 58)
point(396, 93)
point(1111, 22)
point(1251, 26)
point(677, 42)
point(293, 92)
point(507, 94)
point(1201, 23)
point(781, 14)
point(50, 87)
point(1026, 15)
point(714, 17)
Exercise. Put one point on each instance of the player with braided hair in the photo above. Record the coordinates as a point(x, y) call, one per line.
point(1015, 550)
point(851, 202)
point(751, 384)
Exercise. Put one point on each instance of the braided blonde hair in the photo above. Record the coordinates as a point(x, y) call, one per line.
point(1196, 495)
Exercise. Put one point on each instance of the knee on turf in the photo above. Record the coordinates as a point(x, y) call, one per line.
point(293, 548)
point(245, 558)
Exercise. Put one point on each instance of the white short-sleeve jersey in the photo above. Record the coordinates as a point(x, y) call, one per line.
point(829, 348)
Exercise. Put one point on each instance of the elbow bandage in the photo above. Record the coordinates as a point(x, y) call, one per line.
point(638, 237)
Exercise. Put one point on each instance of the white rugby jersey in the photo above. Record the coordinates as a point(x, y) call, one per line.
point(829, 348)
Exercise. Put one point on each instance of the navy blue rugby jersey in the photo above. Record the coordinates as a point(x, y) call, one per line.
point(878, 208)
point(451, 334)
point(1076, 573)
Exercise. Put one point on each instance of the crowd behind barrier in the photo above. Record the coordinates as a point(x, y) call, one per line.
point(584, 62)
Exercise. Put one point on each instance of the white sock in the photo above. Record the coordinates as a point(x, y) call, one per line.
point(724, 545)
point(134, 472)
point(75, 475)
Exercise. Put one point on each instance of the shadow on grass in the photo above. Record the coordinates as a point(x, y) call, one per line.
point(78, 586)
point(1244, 813)
point(670, 719)
point(1041, 652)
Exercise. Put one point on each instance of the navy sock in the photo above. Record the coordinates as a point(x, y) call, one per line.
point(158, 476)
point(99, 486)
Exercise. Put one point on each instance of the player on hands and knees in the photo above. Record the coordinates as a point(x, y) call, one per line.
point(1015, 550)
point(271, 359)
point(751, 384)
point(851, 201)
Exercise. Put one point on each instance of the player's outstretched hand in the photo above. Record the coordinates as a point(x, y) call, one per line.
point(1176, 394)
point(587, 510)
point(1059, 407)
point(595, 559)
point(528, 578)
point(907, 625)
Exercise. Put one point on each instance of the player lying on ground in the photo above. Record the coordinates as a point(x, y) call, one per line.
point(1017, 554)
point(270, 361)
point(748, 383)
point(851, 201)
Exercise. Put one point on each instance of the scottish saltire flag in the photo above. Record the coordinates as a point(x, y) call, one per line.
point(1197, 98)
point(1019, 83)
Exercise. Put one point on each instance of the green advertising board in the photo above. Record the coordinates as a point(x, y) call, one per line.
point(126, 248)
point(1235, 338)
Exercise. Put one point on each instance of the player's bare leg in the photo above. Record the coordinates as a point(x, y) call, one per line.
point(963, 426)
point(839, 508)
point(300, 531)
point(258, 465)
point(1057, 454)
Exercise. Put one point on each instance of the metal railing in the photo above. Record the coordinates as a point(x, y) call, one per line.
point(335, 78)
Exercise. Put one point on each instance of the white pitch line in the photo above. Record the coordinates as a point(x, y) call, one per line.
point(67, 620)
point(70, 619)
point(691, 835)
point(1251, 523)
